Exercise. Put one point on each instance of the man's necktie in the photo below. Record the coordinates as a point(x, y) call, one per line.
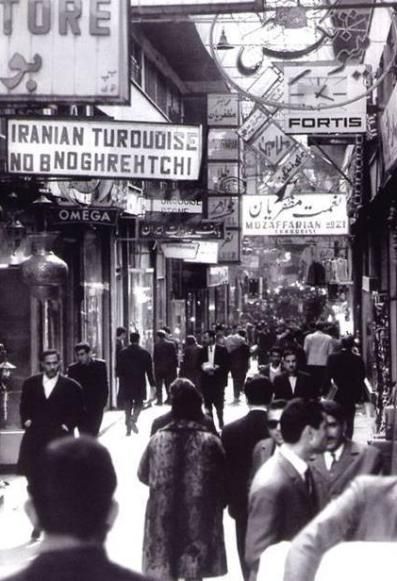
point(311, 491)
point(334, 460)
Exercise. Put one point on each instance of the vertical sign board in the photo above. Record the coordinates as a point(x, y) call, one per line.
point(61, 50)
point(222, 110)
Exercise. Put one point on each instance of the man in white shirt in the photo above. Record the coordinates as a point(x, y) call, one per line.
point(274, 368)
point(282, 497)
point(318, 346)
point(343, 459)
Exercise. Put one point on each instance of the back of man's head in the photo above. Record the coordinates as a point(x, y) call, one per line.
point(298, 414)
point(73, 487)
point(134, 337)
point(258, 390)
point(320, 326)
point(334, 409)
point(161, 334)
point(347, 342)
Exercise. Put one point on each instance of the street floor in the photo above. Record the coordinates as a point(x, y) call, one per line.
point(124, 543)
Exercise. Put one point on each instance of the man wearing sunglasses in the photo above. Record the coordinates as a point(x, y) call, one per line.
point(265, 448)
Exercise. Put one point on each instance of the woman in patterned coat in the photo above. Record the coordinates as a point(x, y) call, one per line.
point(184, 467)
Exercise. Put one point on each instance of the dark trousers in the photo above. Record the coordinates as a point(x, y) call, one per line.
point(350, 412)
point(135, 406)
point(241, 532)
point(238, 384)
point(167, 378)
point(214, 396)
point(91, 422)
point(317, 373)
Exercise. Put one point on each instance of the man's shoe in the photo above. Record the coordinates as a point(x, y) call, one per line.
point(158, 402)
point(134, 428)
point(167, 401)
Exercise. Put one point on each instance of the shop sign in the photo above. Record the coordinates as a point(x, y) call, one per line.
point(103, 148)
point(223, 144)
point(225, 208)
point(78, 215)
point(222, 110)
point(253, 124)
point(288, 168)
point(203, 251)
point(229, 247)
point(174, 206)
point(273, 143)
point(388, 130)
point(224, 178)
point(217, 275)
point(64, 51)
point(296, 215)
point(204, 230)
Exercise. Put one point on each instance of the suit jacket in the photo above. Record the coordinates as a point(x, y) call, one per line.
point(190, 366)
point(82, 564)
point(238, 439)
point(93, 378)
point(304, 387)
point(134, 363)
point(366, 511)
point(348, 372)
point(219, 377)
point(165, 357)
point(64, 407)
point(263, 450)
point(162, 421)
point(279, 507)
point(265, 371)
point(356, 459)
point(240, 360)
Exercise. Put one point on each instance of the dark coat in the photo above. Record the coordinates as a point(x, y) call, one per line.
point(93, 378)
point(304, 387)
point(85, 564)
point(184, 467)
point(167, 418)
point(239, 360)
point(134, 364)
point(64, 407)
point(279, 507)
point(165, 357)
point(219, 377)
point(348, 372)
point(190, 366)
point(356, 459)
point(239, 439)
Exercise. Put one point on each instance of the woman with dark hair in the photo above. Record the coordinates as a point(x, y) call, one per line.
point(184, 467)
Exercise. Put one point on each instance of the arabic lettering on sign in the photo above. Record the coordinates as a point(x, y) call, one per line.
point(202, 231)
point(229, 248)
point(253, 124)
point(224, 208)
point(223, 144)
point(224, 178)
point(290, 166)
point(222, 110)
point(273, 143)
point(388, 126)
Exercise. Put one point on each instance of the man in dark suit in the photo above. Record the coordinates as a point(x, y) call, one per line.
point(71, 498)
point(51, 406)
point(347, 371)
point(92, 375)
point(239, 359)
point(214, 363)
point(293, 383)
point(265, 448)
point(343, 459)
point(239, 439)
point(165, 361)
point(133, 366)
point(282, 497)
point(273, 368)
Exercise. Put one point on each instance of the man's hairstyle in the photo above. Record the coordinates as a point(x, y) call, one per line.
point(278, 404)
point(82, 346)
point(276, 350)
point(347, 342)
point(211, 333)
point(186, 400)
point(72, 487)
point(134, 337)
point(48, 352)
point(242, 333)
point(161, 334)
point(334, 409)
point(288, 351)
point(120, 331)
point(167, 330)
point(258, 390)
point(320, 325)
point(191, 340)
point(298, 414)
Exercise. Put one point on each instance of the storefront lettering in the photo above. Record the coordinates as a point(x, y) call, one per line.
point(325, 122)
point(84, 215)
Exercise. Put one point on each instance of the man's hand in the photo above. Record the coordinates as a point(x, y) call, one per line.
point(28, 423)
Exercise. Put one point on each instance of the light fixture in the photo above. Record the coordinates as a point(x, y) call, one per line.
point(223, 43)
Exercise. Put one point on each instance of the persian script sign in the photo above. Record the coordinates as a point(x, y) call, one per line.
point(222, 110)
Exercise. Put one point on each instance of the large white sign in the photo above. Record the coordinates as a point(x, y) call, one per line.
point(388, 128)
point(315, 86)
point(101, 148)
point(57, 50)
point(296, 215)
point(203, 252)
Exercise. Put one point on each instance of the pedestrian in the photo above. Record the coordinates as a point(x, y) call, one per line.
point(343, 458)
point(318, 346)
point(265, 448)
point(282, 498)
point(184, 467)
point(292, 382)
point(239, 439)
point(121, 338)
point(165, 419)
point(365, 511)
point(239, 359)
point(134, 365)
point(272, 369)
point(165, 361)
point(190, 365)
point(91, 374)
point(347, 371)
point(214, 364)
point(71, 498)
point(51, 407)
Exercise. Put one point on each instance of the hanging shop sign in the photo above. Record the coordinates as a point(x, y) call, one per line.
point(295, 215)
point(229, 247)
point(204, 230)
point(253, 124)
point(217, 275)
point(273, 143)
point(109, 149)
point(64, 51)
point(388, 130)
point(174, 206)
point(79, 215)
point(224, 178)
point(315, 86)
point(222, 110)
point(286, 170)
point(223, 144)
point(225, 208)
point(204, 251)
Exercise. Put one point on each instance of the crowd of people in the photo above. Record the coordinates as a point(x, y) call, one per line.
point(286, 471)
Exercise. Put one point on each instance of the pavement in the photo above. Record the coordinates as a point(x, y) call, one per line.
point(124, 543)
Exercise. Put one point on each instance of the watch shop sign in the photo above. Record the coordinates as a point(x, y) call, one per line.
point(64, 50)
point(108, 149)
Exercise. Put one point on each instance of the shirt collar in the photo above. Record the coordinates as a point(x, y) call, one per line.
point(297, 462)
point(337, 453)
point(50, 380)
